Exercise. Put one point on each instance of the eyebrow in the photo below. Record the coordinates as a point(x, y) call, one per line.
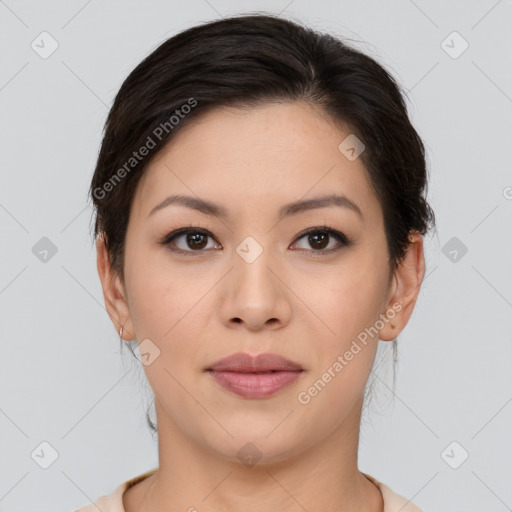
point(209, 208)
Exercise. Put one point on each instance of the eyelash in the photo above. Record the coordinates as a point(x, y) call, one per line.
point(340, 237)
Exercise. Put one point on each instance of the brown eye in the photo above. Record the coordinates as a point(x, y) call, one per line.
point(187, 240)
point(196, 240)
point(319, 240)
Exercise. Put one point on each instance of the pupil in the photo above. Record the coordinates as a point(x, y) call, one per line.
point(192, 241)
point(323, 237)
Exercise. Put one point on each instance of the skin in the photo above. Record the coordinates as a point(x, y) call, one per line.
point(199, 308)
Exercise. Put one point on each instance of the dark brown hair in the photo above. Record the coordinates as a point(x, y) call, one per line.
point(246, 61)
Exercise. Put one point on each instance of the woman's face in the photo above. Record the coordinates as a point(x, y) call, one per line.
point(255, 282)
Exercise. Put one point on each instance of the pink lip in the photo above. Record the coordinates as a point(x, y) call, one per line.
point(243, 374)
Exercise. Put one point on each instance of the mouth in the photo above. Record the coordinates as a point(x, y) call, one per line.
point(262, 363)
point(255, 384)
point(258, 376)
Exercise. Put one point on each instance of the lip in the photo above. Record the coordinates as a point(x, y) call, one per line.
point(255, 377)
point(245, 363)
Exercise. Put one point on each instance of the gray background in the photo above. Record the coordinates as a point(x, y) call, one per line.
point(63, 380)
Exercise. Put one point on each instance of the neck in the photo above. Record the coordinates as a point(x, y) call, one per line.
point(190, 477)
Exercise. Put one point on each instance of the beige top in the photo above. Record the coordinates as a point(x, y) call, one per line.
point(114, 502)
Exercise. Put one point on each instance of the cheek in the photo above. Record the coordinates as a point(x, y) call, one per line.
point(346, 344)
point(157, 295)
point(351, 302)
point(166, 307)
point(151, 307)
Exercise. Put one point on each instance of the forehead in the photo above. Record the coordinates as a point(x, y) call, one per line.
point(258, 157)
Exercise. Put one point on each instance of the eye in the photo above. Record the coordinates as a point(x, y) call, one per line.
point(191, 240)
point(320, 238)
point(194, 240)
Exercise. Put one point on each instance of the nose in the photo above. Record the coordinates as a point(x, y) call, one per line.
point(255, 297)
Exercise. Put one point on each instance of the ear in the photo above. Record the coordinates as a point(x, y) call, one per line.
point(113, 292)
point(406, 283)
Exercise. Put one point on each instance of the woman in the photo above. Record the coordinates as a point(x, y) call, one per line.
point(260, 212)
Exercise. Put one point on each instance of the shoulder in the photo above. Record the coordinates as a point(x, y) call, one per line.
point(108, 503)
point(393, 502)
point(114, 502)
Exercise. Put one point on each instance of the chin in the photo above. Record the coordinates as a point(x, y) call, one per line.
point(251, 448)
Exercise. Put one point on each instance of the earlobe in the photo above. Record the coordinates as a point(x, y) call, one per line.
point(407, 281)
point(113, 291)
